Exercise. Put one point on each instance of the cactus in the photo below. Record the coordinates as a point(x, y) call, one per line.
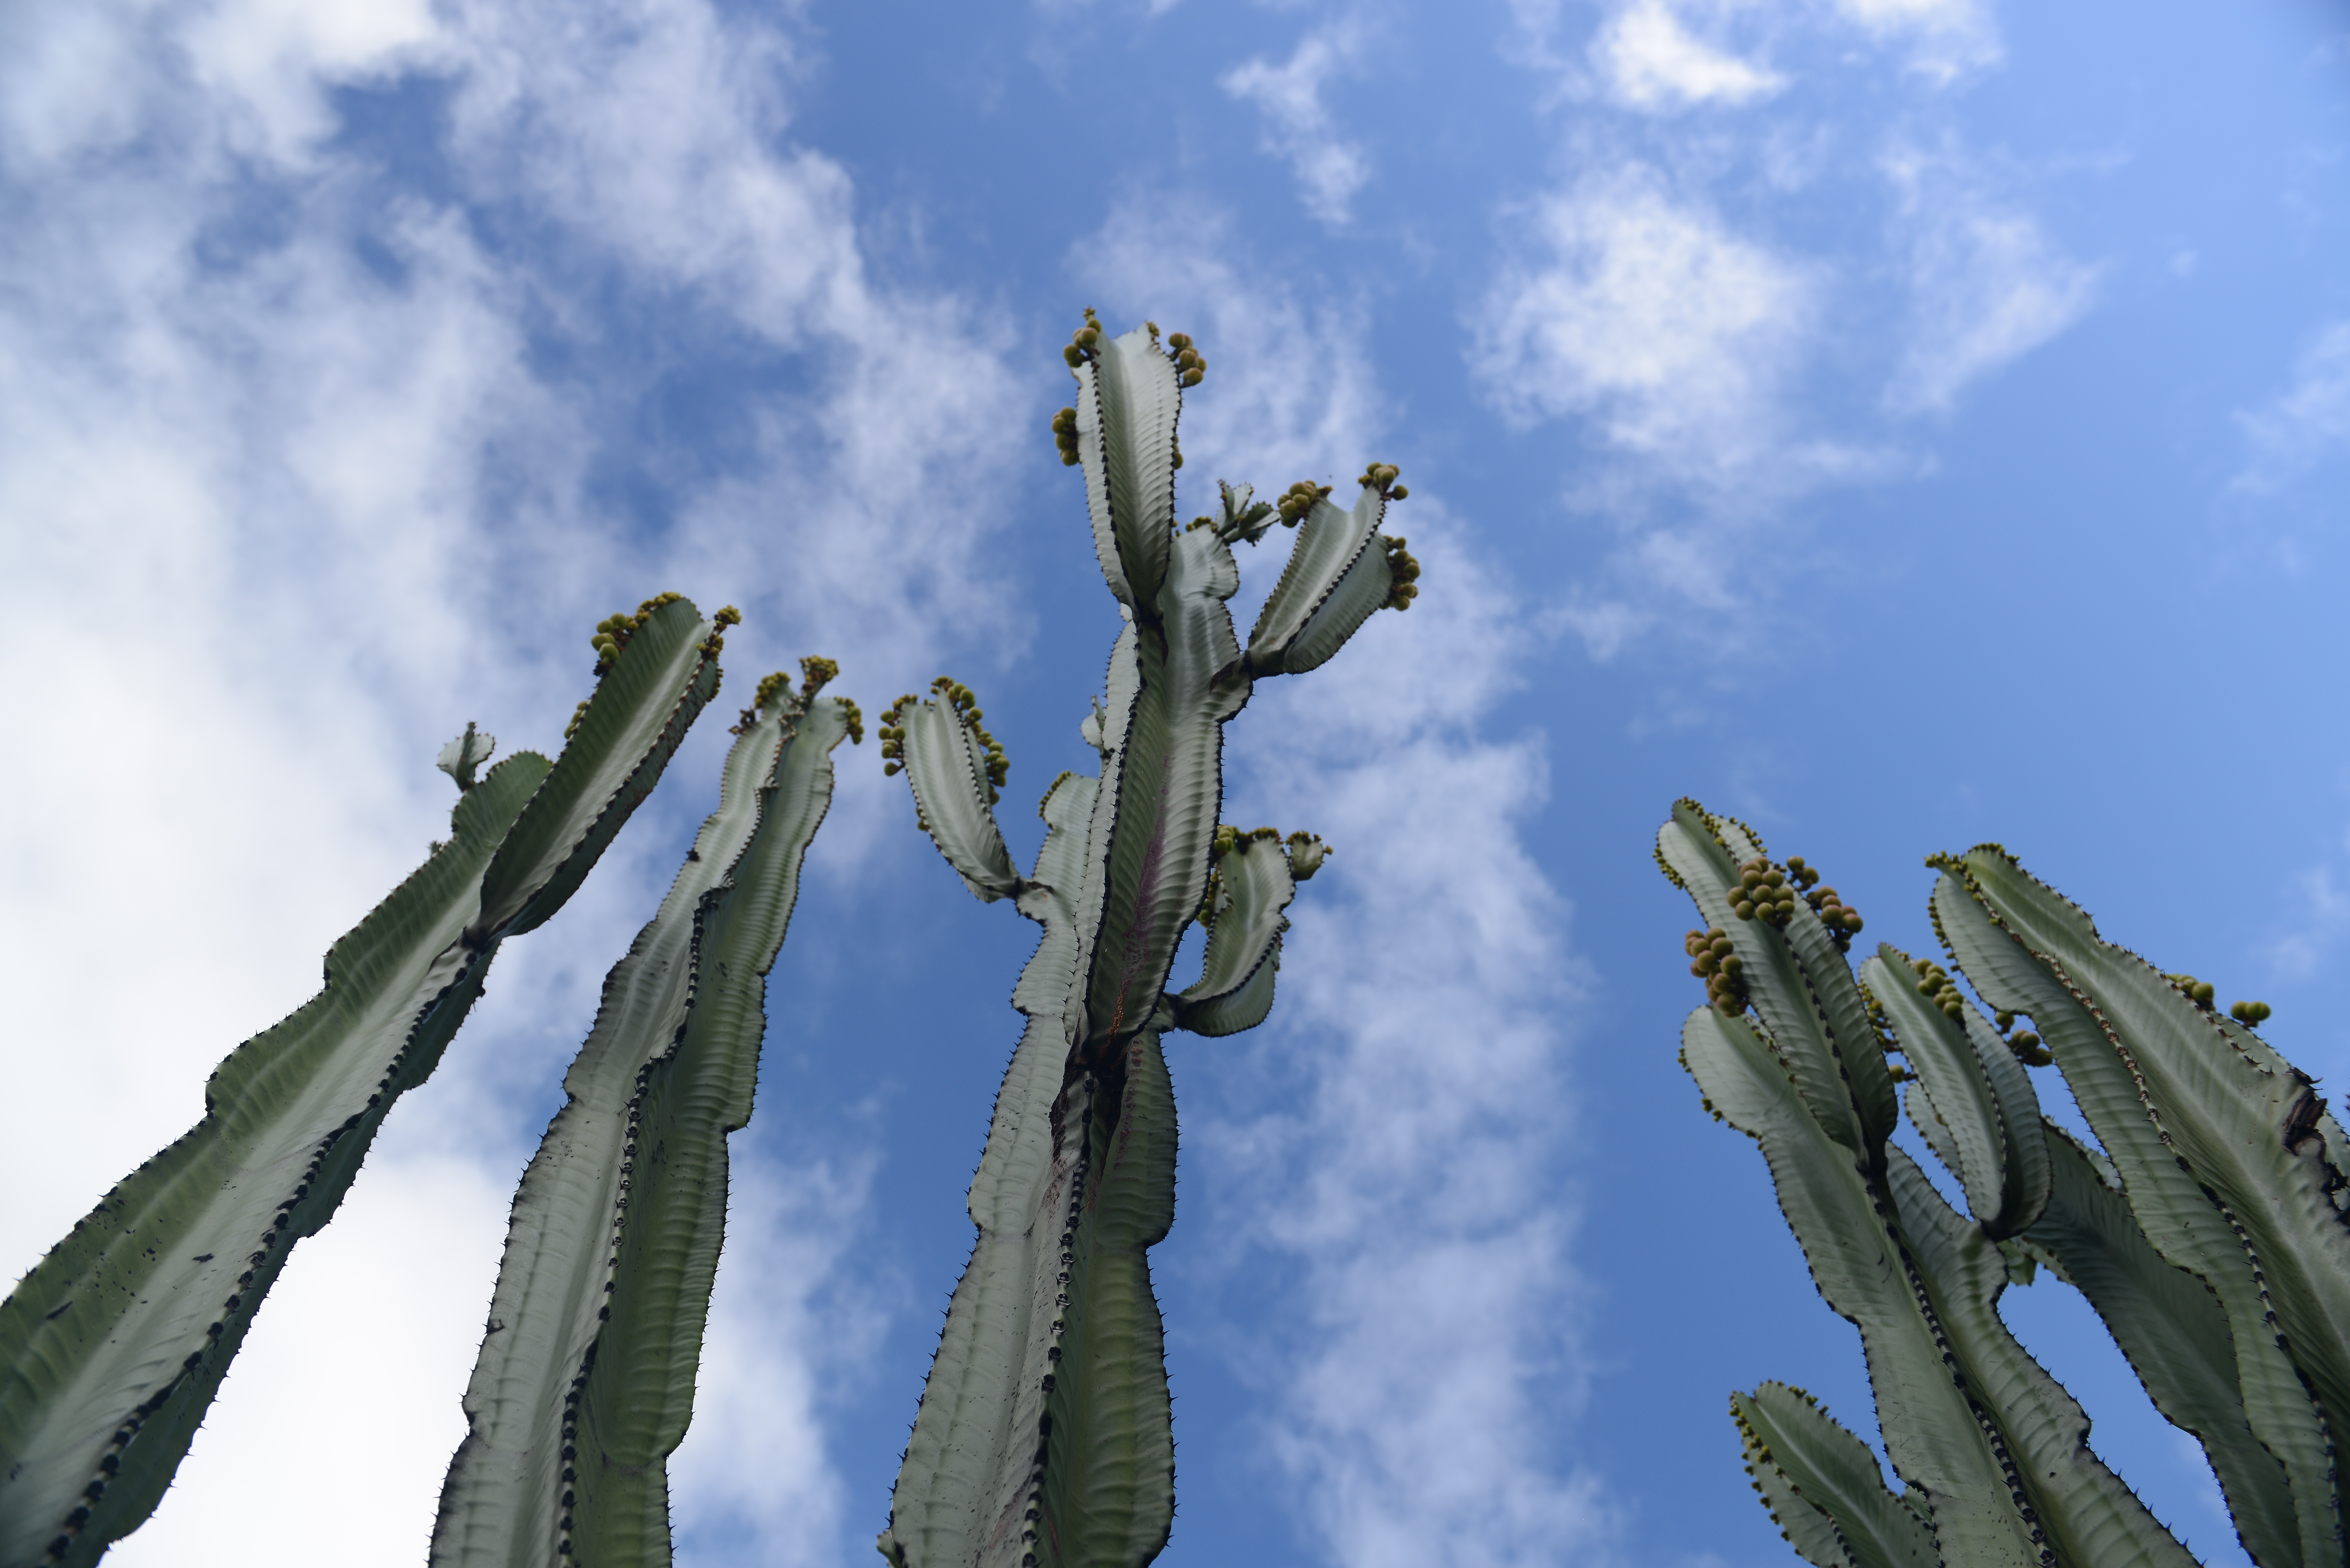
point(1044, 1434)
point(116, 1342)
point(2209, 1233)
point(585, 1382)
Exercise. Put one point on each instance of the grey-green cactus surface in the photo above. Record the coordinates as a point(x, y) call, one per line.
point(1045, 1433)
point(586, 1377)
point(2207, 1232)
point(113, 1347)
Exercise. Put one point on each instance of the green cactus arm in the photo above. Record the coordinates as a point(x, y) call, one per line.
point(639, 716)
point(1162, 790)
point(1839, 1216)
point(963, 1453)
point(2085, 1510)
point(667, 1070)
point(1822, 1485)
point(1980, 1090)
point(948, 772)
point(1128, 397)
point(1802, 988)
point(2175, 1332)
point(2173, 1202)
point(1104, 1485)
point(115, 1342)
point(1933, 1126)
point(1244, 941)
point(1322, 597)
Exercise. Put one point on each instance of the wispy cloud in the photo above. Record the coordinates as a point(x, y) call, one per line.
point(1644, 311)
point(1299, 126)
point(1943, 38)
point(1422, 1337)
point(1652, 60)
point(1987, 283)
point(2307, 423)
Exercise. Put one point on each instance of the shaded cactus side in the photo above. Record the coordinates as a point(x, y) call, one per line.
point(2207, 1232)
point(1044, 1436)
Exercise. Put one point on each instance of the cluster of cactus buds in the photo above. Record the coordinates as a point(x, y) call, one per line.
point(893, 736)
point(2250, 1012)
point(1934, 983)
point(612, 633)
point(1764, 892)
point(1381, 477)
point(768, 687)
point(1299, 500)
point(716, 643)
point(2027, 1047)
point(1065, 436)
point(1083, 342)
point(1712, 961)
point(1843, 922)
point(1403, 571)
point(1190, 368)
point(2198, 992)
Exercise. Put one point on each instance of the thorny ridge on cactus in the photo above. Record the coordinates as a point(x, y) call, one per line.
point(1043, 1439)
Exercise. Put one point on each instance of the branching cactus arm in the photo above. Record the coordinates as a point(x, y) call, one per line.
point(1823, 1487)
point(1044, 1436)
point(2123, 1104)
point(585, 1378)
point(116, 1342)
point(2174, 1331)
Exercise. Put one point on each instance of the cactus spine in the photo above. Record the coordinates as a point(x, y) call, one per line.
point(2209, 1233)
point(585, 1378)
point(116, 1342)
point(1044, 1436)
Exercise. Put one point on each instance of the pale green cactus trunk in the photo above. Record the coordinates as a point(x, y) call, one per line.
point(116, 1342)
point(585, 1378)
point(2210, 1234)
point(1044, 1435)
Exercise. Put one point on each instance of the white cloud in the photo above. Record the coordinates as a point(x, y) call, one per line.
point(1648, 314)
point(1945, 38)
point(1651, 60)
point(1330, 169)
point(287, 501)
point(2308, 422)
point(1987, 284)
point(1424, 1341)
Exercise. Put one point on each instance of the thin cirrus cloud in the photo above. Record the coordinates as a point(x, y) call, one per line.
point(2306, 424)
point(1298, 128)
point(302, 497)
point(1424, 1338)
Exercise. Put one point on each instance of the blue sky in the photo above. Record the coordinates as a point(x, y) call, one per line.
point(1900, 423)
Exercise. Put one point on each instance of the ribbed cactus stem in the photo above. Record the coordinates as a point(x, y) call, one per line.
point(1044, 1436)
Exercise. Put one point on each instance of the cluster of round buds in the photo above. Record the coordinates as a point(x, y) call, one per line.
point(1843, 922)
point(1065, 436)
point(578, 716)
point(613, 632)
point(1712, 961)
point(1764, 892)
point(769, 686)
point(716, 643)
point(957, 696)
point(1934, 983)
point(1190, 369)
point(2250, 1012)
point(2198, 991)
point(1299, 500)
point(2028, 1047)
point(1403, 573)
point(1381, 477)
point(893, 735)
point(1085, 343)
